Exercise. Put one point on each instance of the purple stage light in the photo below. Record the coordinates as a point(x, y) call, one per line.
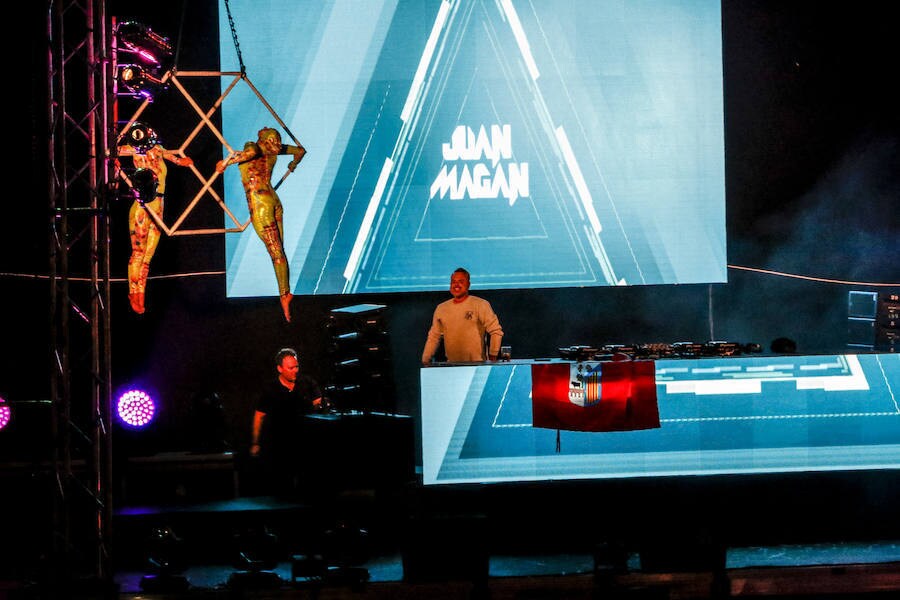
point(136, 408)
point(5, 413)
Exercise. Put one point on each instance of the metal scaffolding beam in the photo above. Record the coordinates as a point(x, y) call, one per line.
point(80, 99)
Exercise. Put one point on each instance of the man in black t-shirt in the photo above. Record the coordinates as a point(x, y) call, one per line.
point(278, 422)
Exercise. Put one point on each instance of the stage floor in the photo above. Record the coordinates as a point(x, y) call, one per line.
point(442, 549)
point(828, 570)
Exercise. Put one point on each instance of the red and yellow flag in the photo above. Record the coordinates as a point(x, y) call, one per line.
point(594, 396)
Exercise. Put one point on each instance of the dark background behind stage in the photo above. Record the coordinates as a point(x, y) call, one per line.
point(812, 178)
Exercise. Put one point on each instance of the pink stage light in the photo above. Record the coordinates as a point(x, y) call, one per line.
point(142, 41)
point(136, 408)
point(5, 413)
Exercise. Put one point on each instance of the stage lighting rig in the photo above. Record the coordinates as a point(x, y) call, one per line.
point(5, 413)
point(258, 553)
point(136, 409)
point(151, 60)
point(140, 82)
point(167, 559)
point(141, 137)
point(147, 46)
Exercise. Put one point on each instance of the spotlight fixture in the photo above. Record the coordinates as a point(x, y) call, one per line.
point(139, 81)
point(141, 137)
point(136, 409)
point(5, 413)
point(166, 558)
point(147, 46)
point(150, 59)
point(258, 551)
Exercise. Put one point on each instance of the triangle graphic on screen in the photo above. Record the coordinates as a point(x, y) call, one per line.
point(480, 174)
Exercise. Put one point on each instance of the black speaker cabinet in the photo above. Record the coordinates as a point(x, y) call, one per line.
point(359, 450)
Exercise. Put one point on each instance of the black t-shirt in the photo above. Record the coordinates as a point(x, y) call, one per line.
point(284, 410)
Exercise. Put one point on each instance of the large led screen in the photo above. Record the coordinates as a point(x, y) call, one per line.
point(563, 143)
point(734, 415)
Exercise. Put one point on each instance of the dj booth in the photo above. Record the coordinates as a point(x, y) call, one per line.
point(717, 415)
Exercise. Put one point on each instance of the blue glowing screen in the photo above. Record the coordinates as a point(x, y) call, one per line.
point(564, 143)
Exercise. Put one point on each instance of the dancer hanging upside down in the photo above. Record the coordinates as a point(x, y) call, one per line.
point(256, 162)
point(149, 157)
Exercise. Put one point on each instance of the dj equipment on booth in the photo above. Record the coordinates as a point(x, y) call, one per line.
point(873, 321)
point(887, 323)
point(657, 350)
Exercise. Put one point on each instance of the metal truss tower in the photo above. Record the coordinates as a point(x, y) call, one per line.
point(80, 111)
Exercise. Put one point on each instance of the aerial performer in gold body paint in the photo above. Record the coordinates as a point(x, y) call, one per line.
point(256, 162)
point(149, 183)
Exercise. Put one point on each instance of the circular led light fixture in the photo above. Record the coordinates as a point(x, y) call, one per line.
point(141, 137)
point(136, 408)
point(5, 413)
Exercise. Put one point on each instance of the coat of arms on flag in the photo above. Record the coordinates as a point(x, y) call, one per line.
point(594, 396)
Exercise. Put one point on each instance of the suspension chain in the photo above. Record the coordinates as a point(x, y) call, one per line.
point(237, 46)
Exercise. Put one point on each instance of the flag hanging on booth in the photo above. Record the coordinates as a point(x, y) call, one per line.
point(594, 396)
